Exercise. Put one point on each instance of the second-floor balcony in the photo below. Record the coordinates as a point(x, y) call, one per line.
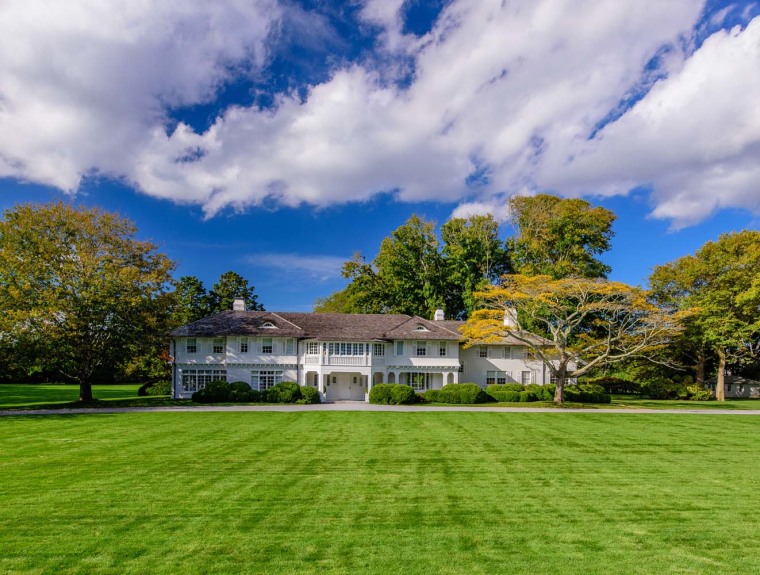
point(352, 360)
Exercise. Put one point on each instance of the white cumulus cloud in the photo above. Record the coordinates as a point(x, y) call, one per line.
point(503, 100)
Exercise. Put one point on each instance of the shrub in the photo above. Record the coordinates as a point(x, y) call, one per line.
point(513, 387)
point(283, 392)
point(586, 393)
point(617, 385)
point(432, 396)
point(698, 393)
point(506, 396)
point(403, 395)
point(392, 394)
point(463, 393)
point(214, 392)
point(241, 392)
point(155, 388)
point(663, 388)
point(309, 395)
point(527, 396)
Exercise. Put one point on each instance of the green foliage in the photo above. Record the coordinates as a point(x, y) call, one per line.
point(466, 393)
point(78, 291)
point(190, 301)
point(214, 392)
point(559, 237)
point(284, 392)
point(585, 393)
point(241, 392)
point(505, 396)
point(155, 388)
point(392, 394)
point(698, 393)
point(720, 287)
point(473, 256)
point(413, 275)
point(232, 285)
point(617, 386)
point(528, 396)
point(309, 395)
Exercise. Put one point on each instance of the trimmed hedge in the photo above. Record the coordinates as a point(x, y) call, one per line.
point(587, 393)
point(617, 385)
point(241, 392)
point(505, 396)
point(283, 392)
point(392, 394)
point(466, 393)
point(214, 392)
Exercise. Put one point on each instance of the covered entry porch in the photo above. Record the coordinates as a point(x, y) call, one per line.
point(340, 385)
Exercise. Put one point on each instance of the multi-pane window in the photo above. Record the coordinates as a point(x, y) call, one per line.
point(507, 352)
point(518, 352)
point(218, 345)
point(399, 348)
point(420, 349)
point(191, 345)
point(266, 345)
point(442, 349)
point(262, 380)
point(526, 377)
point(483, 351)
point(418, 380)
point(290, 346)
point(496, 377)
point(243, 345)
point(378, 349)
point(312, 348)
point(346, 348)
point(195, 379)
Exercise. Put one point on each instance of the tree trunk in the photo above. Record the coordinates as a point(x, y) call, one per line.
point(720, 388)
point(559, 392)
point(85, 392)
point(701, 360)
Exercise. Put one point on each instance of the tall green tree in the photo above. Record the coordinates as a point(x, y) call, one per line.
point(232, 285)
point(473, 257)
point(720, 285)
point(190, 301)
point(410, 269)
point(559, 237)
point(77, 286)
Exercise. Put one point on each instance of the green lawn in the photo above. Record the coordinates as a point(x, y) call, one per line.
point(359, 492)
point(38, 396)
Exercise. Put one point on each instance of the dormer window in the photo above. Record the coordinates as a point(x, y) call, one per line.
point(421, 328)
point(269, 325)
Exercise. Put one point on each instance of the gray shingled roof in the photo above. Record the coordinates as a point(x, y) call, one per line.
point(335, 326)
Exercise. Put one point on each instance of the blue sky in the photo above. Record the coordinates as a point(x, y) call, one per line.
point(277, 138)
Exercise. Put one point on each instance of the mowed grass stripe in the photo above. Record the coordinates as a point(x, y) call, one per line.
point(358, 492)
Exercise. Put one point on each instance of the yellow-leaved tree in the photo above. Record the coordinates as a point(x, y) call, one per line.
point(588, 322)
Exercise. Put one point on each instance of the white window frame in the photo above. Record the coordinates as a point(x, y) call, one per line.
point(483, 352)
point(290, 346)
point(217, 345)
point(267, 348)
point(443, 349)
point(197, 379)
point(497, 377)
point(420, 348)
point(262, 379)
point(400, 347)
point(418, 380)
point(243, 345)
point(522, 377)
point(191, 345)
point(313, 348)
point(378, 349)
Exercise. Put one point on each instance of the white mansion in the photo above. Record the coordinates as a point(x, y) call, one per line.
point(342, 355)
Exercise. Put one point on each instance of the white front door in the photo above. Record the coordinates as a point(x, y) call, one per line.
point(346, 386)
